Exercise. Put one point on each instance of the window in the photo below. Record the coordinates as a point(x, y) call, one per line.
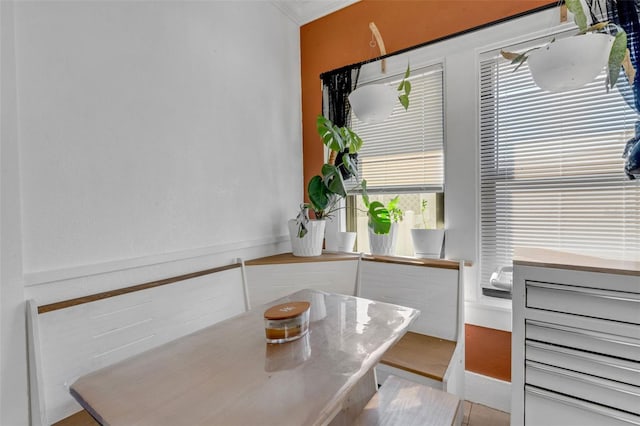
point(551, 168)
point(404, 156)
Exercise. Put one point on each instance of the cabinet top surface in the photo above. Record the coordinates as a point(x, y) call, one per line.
point(530, 256)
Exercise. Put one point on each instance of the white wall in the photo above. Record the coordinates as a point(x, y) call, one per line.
point(13, 385)
point(143, 140)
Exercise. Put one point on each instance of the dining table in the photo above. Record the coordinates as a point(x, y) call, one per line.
point(227, 373)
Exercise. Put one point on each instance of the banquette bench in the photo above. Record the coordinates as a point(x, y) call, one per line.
point(70, 338)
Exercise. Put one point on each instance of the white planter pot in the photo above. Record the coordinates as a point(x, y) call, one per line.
point(570, 63)
point(427, 243)
point(311, 243)
point(373, 103)
point(339, 241)
point(384, 244)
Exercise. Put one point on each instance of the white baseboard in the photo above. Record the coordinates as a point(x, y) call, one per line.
point(487, 391)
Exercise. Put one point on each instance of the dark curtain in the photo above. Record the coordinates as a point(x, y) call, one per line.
point(336, 87)
point(625, 13)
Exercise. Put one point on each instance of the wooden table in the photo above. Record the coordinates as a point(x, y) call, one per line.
point(227, 374)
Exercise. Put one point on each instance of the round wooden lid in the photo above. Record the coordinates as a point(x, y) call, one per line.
point(286, 310)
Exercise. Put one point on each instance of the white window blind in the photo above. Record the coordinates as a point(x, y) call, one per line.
point(551, 168)
point(405, 152)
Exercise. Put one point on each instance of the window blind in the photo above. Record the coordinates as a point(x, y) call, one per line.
point(551, 168)
point(405, 152)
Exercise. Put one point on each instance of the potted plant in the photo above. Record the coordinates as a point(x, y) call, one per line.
point(327, 189)
point(382, 224)
point(572, 62)
point(426, 242)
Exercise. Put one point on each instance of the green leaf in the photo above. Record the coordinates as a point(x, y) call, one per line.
point(407, 73)
point(379, 220)
point(520, 62)
point(318, 193)
point(330, 134)
point(401, 86)
point(407, 88)
point(365, 195)
point(616, 56)
point(404, 100)
point(349, 164)
point(393, 203)
point(333, 180)
point(579, 17)
point(352, 140)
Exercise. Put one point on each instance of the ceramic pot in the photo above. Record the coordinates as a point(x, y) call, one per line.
point(427, 243)
point(570, 63)
point(373, 103)
point(384, 244)
point(311, 243)
point(339, 241)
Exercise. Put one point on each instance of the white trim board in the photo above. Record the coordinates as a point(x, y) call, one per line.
point(487, 391)
point(488, 315)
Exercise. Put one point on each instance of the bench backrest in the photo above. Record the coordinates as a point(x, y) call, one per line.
point(74, 337)
point(435, 291)
point(266, 282)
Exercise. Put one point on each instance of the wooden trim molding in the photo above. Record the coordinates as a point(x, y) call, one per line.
point(290, 258)
point(332, 257)
point(118, 292)
point(433, 263)
point(283, 258)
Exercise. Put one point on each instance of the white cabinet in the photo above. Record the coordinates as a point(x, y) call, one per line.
point(575, 341)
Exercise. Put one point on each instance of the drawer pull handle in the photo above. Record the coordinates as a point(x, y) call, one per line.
point(604, 411)
point(601, 294)
point(581, 355)
point(583, 333)
point(580, 377)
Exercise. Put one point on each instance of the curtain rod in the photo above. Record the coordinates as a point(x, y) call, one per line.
point(437, 40)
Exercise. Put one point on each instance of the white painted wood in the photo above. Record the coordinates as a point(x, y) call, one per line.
point(434, 291)
point(37, 410)
point(454, 378)
point(83, 338)
point(270, 282)
point(438, 294)
point(487, 391)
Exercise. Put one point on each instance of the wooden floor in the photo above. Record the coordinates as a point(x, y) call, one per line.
point(481, 415)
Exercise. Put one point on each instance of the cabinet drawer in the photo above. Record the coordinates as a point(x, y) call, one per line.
point(590, 302)
point(587, 340)
point(546, 408)
point(609, 393)
point(586, 362)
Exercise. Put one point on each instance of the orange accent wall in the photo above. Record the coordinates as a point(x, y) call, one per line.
point(488, 352)
point(342, 38)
